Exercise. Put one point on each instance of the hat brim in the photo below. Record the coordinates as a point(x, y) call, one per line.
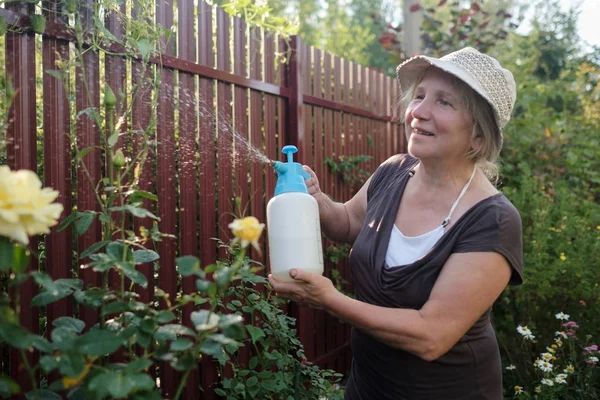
point(412, 69)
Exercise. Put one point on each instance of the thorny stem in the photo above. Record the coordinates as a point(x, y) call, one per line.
point(181, 384)
point(31, 373)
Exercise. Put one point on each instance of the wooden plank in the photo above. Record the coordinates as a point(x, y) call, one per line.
point(224, 132)
point(22, 154)
point(258, 169)
point(165, 180)
point(88, 135)
point(188, 168)
point(57, 160)
point(272, 116)
point(207, 172)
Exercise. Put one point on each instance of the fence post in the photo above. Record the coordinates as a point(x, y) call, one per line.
point(295, 136)
point(295, 131)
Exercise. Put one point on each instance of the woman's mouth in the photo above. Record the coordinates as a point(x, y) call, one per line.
point(424, 133)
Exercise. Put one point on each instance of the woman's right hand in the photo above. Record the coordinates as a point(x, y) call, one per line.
point(312, 184)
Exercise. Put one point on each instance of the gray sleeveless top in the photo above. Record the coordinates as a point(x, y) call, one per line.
point(471, 369)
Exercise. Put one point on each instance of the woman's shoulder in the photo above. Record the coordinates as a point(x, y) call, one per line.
point(390, 172)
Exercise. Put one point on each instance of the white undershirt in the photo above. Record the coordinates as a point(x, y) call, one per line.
point(404, 250)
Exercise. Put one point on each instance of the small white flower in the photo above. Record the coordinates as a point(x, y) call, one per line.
point(518, 390)
point(544, 366)
point(561, 333)
point(561, 378)
point(569, 370)
point(548, 382)
point(592, 360)
point(562, 316)
point(523, 330)
point(510, 367)
point(546, 356)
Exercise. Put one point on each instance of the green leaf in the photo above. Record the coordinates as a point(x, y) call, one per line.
point(141, 382)
point(252, 381)
point(83, 222)
point(41, 343)
point(204, 320)
point(171, 331)
point(203, 285)
point(72, 323)
point(93, 248)
point(100, 26)
point(115, 307)
point(98, 343)
point(189, 265)
point(135, 275)
point(48, 363)
point(138, 195)
point(6, 254)
point(181, 344)
point(90, 298)
point(145, 47)
point(42, 394)
point(113, 139)
point(20, 259)
point(8, 387)
point(141, 364)
point(144, 256)
point(118, 251)
point(80, 155)
point(71, 364)
point(255, 333)
point(46, 298)
point(55, 73)
point(135, 211)
point(165, 316)
point(63, 338)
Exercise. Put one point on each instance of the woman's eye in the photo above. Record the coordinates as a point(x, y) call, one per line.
point(419, 97)
point(444, 102)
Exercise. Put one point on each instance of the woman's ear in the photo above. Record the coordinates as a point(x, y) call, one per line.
point(477, 143)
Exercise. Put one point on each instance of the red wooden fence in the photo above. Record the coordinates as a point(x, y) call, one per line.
point(327, 106)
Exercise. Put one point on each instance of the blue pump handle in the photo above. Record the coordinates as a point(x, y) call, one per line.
point(290, 175)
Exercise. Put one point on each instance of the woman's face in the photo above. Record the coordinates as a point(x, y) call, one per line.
point(437, 124)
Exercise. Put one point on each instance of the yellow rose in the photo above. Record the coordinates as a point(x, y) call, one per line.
point(25, 208)
point(247, 231)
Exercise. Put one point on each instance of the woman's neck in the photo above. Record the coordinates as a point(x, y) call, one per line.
point(445, 176)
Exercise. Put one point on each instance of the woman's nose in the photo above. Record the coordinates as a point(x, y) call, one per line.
point(421, 109)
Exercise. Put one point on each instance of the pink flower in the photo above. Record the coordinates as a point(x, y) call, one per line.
point(591, 348)
point(571, 324)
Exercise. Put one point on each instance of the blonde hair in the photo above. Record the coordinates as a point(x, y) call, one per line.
point(484, 124)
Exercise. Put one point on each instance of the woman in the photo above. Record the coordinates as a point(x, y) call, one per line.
point(434, 242)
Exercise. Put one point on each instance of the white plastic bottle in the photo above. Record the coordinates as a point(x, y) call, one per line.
point(293, 225)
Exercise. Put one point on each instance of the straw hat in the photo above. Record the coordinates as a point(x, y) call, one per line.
point(482, 73)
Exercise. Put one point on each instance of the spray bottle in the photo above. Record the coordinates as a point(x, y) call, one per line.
point(293, 225)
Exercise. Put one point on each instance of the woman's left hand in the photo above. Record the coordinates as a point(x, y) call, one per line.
point(308, 288)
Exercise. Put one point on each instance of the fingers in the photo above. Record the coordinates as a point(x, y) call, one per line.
point(312, 183)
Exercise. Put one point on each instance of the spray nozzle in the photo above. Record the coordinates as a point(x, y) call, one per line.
point(290, 175)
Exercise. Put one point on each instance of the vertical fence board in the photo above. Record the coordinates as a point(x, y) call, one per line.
point(207, 170)
point(115, 72)
point(166, 185)
point(225, 130)
point(188, 203)
point(271, 115)
point(21, 154)
point(255, 115)
point(57, 156)
point(88, 135)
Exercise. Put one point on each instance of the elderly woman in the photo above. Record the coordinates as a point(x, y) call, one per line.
point(434, 242)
